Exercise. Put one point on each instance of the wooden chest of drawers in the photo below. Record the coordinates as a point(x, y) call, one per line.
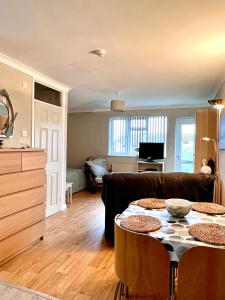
point(22, 199)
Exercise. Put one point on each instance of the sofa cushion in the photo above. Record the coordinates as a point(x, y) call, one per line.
point(98, 167)
point(101, 162)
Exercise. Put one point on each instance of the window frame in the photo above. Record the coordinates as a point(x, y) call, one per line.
point(128, 129)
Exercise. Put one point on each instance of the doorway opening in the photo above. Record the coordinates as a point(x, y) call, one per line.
point(185, 145)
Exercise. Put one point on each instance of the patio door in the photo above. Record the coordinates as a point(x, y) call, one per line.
point(185, 145)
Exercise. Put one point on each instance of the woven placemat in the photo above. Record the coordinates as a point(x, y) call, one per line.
point(208, 233)
point(151, 203)
point(141, 223)
point(209, 208)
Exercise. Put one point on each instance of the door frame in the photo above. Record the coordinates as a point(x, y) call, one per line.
point(50, 210)
point(64, 104)
point(179, 122)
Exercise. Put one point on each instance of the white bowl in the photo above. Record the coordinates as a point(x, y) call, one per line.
point(178, 208)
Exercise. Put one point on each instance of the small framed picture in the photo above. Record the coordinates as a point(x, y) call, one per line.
point(222, 132)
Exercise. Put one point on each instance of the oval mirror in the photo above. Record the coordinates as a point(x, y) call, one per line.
point(7, 116)
point(4, 116)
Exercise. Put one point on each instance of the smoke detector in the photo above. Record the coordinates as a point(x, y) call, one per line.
point(98, 52)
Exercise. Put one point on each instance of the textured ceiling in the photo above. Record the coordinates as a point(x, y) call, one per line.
point(159, 53)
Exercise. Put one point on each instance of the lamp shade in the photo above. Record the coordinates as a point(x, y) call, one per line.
point(206, 139)
point(117, 105)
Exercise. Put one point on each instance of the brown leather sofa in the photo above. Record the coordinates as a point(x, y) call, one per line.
point(119, 189)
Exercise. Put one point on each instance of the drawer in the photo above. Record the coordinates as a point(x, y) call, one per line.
point(16, 182)
point(13, 203)
point(21, 220)
point(15, 243)
point(33, 160)
point(10, 162)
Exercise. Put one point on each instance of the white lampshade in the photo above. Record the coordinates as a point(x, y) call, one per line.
point(117, 105)
point(206, 139)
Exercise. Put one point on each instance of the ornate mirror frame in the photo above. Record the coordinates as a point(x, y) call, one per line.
point(7, 130)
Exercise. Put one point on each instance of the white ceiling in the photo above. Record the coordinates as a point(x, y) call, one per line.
point(159, 53)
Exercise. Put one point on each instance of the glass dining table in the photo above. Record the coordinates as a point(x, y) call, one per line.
point(174, 231)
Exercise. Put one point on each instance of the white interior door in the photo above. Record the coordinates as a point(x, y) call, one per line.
point(48, 135)
point(185, 145)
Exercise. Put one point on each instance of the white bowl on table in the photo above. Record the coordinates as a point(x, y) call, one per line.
point(178, 208)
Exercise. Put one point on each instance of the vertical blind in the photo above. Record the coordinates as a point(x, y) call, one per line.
point(126, 132)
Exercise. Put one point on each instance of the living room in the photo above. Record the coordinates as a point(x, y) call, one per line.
point(96, 85)
point(94, 137)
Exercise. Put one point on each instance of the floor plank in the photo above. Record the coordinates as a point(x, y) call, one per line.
point(73, 261)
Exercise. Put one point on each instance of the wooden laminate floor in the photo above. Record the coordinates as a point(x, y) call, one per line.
point(73, 261)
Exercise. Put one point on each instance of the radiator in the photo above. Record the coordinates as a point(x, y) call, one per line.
point(117, 167)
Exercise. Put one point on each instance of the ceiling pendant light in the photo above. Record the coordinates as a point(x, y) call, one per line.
point(117, 104)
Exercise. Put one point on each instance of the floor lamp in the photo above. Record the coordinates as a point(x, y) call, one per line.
point(218, 104)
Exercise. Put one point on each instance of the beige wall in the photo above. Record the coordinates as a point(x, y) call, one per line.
point(11, 80)
point(88, 135)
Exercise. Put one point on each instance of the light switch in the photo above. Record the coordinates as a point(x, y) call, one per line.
point(24, 84)
point(24, 133)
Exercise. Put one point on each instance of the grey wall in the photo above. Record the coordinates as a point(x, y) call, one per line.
point(88, 135)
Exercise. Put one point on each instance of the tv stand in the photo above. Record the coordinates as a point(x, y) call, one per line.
point(150, 166)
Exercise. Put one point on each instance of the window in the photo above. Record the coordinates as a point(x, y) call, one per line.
point(185, 145)
point(126, 132)
point(46, 94)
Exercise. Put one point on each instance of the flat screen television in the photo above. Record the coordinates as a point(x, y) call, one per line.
point(151, 151)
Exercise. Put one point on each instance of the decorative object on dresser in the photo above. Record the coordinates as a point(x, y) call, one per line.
point(22, 199)
point(7, 116)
